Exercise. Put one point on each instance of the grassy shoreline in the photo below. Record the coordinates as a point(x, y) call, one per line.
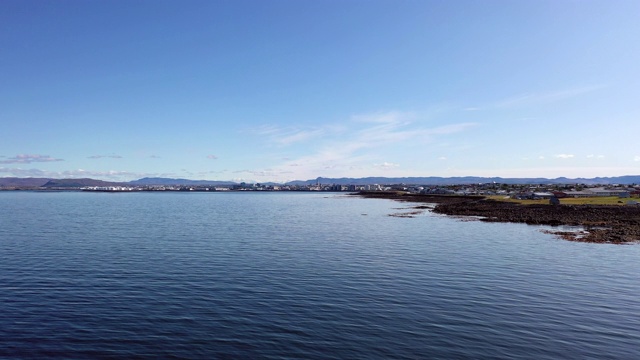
point(603, 222)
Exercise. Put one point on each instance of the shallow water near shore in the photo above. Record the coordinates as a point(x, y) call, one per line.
point(300, 275)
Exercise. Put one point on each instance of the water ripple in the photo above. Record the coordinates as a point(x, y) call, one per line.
point(298, 276)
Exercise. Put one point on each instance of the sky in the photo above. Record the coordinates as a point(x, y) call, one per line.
point(280, 90)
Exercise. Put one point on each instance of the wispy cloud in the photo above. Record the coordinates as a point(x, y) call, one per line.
point(546, 97)
point(104, 156)
point(363, 137)
point(212, 157)
point(209, 172)
point(300, 136)
point(395, 127)
point(79, 173)
point(591, 156)
point(386, 165)
point(265, 173)
point(290, 135)
point(387, 117)
point(564, 156)
point(28, 159)
point(361, 131)
point(636, 158)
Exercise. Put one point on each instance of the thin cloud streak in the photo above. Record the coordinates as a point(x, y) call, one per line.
point(104, 156)
point(79, 173)
point(386, 165)
point(548, 97)
point(392, 117)
point(288, 136)
point(369, 133)
point(29, 158)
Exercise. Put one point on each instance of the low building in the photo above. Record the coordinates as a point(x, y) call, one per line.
point(542, 195)
point(579, 194)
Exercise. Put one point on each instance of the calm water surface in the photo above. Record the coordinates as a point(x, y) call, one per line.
point(299, 275)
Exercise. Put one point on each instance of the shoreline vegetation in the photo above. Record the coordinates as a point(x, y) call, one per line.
point(612, 224)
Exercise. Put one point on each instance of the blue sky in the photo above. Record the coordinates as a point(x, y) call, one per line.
point(283, 90)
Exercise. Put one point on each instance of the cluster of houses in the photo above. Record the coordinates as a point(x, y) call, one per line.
point(516, 191)
point(528, 191)
point(589, 192)
point(108, 188)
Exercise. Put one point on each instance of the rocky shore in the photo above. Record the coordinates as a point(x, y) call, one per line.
point(600, 223)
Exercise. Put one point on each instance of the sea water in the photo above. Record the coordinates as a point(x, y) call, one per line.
point(300, 276)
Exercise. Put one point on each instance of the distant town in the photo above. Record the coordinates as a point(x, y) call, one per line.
point(533, 192)
point(492, 188)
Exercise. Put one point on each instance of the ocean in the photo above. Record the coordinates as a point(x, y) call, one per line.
point(284, 275)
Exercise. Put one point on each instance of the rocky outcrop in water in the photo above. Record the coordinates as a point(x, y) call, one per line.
point(601, 223)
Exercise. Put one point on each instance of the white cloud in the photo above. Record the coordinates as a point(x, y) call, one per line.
point(564, 156)
point(591, 156)
point(636, 158)
point(212, 157)
point(386, 165)
point(442, 158)
point(362, 139)
point(400, 130)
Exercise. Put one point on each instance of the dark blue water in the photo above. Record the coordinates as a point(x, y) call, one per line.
point(297, 275)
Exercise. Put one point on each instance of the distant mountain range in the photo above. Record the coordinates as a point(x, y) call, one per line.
point(22, 182)
point(432, 180)
point(49, 182)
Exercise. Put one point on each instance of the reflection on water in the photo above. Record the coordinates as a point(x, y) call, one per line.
point(290, 275)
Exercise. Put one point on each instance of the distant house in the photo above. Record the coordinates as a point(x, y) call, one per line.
point(579, 194)
point(542, 195)
point(609, 192)
point(559, 194)
point(523, 196)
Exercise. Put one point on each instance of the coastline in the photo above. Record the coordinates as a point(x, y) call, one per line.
point(601, 223)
